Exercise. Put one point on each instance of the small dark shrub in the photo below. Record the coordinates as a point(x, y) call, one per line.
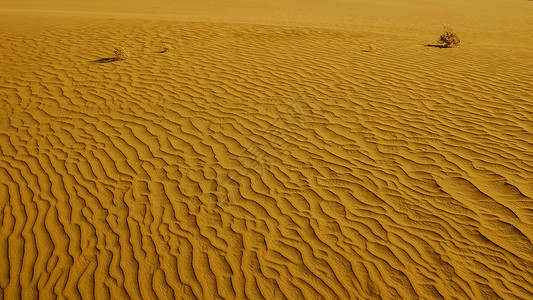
point(449, 38)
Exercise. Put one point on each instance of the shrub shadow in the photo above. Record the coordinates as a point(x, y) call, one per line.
point(105, 60)
point(437, 46)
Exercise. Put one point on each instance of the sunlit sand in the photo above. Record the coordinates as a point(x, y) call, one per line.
point(266, 149)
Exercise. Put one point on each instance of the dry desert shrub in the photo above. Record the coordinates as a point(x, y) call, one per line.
point(370, 49)
point(120, 53)
point(166, 48)
point(449, 38)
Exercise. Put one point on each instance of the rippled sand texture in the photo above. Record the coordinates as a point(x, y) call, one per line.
point(255, 161)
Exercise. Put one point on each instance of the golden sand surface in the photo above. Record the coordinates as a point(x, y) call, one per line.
point(266, 150)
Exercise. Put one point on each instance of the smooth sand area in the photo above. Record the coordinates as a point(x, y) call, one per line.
point(266, 149)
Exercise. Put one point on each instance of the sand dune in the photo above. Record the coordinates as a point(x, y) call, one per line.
point(263, 160)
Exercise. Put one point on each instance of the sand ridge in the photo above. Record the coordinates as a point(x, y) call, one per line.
point(261, 161)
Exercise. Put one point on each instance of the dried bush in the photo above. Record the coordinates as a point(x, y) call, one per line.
point(449, 38)
point(120, 53)
point(166, 48)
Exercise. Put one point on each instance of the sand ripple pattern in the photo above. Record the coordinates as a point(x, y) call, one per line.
point(261, 162)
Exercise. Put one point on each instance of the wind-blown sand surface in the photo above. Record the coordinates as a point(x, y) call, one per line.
point(316, 150)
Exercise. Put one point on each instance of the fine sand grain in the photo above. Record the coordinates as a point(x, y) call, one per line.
point(311, 150)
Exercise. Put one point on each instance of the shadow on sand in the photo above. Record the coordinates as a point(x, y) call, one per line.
point(437, 46)
point(105, 60)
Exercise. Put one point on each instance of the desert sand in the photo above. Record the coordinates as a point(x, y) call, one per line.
point(266, 150)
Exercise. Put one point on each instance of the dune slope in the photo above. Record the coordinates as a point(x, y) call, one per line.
point(261, 161)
